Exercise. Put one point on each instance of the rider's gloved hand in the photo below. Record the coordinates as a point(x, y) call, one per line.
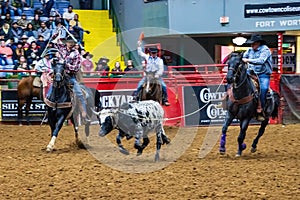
point(156, 76)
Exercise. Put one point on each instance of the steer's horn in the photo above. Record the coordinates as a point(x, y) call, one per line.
point(95, 112)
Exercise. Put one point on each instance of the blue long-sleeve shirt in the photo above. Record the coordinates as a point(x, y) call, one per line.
point(260, 60)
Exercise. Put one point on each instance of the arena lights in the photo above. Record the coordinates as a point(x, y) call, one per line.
point(239, 40)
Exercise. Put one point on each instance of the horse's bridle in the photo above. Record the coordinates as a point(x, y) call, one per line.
point(58, 84)
point(236, 73)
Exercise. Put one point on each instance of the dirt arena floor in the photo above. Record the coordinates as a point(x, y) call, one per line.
point(27, 171)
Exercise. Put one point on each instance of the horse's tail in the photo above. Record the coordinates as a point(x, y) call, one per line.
point(274, 113)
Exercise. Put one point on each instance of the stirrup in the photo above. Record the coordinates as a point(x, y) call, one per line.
point(166, 103)
point(260, 117)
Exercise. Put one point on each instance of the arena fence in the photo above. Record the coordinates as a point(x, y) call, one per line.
point(195, 93)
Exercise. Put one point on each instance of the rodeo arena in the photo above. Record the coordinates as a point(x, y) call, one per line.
point(149, 99)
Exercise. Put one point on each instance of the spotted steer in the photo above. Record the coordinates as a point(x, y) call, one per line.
point(136, 119)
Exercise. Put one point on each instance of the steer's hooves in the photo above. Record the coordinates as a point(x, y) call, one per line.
point(156, 158)
point(123, 150)
point(166, 141)
point(139, 152)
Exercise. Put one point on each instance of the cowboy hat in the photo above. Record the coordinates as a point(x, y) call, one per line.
point(87, 54)
point(68, 39)
point(153, 49)
point(255, 38)
point(102, 60)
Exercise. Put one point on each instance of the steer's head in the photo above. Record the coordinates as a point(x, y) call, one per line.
point(108, 123)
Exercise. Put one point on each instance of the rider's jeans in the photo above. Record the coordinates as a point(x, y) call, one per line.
point(77, 91)
point(264, 82)
point(163, 85)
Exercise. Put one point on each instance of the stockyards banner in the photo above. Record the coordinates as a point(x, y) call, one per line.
point(9, 107)
point(202, 105)
point(113, 98)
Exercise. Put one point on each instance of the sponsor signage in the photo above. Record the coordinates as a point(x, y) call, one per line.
point(9, 107)
point(272, 10)
point(207, 109)
point(287, 61)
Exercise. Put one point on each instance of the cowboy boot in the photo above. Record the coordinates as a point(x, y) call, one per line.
point(165, 100)
point(259, 110)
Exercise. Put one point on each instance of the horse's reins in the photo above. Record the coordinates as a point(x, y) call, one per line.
point(56, 104)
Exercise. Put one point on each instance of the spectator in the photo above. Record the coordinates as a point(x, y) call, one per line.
point(43, 30)
point(32, 53)
point(44, 68)
point(23, 21)
point(24, 40)
point(8, 19)
point(62, 32)
point(41, 43)
point(4, 7)
point(47, 6)
point(6, 53)
point(17, 32)
point(6, 33)
point(51, 23)
point(58, 18)
point(36, 22)
point(130, 66)
point(18, 52)
point(16, 7)
point(102, 66)
point(74, 33)
point(30, 31)
point(116, 71)
point(22, 65)
point(28, 3)
point(87, 63)
point(69, 14)
point(76, 25)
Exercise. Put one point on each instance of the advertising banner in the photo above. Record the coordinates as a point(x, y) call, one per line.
point(113, 98)
point(206, 110)
point(272, 10)
point(9, 107)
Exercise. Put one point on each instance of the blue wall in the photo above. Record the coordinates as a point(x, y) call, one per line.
point(200, 16)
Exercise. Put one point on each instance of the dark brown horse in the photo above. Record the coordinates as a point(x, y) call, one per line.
point(26, 91)
point(151, 89)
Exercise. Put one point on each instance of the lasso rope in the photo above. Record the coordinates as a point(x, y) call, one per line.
point(179, 117)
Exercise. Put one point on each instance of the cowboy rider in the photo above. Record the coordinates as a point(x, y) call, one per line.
point(259, 59)
point(154, 64)
point(72, 58)
point(44, 67)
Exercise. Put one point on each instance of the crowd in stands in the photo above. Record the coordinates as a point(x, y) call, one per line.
point(23, 38)
point(102, 69)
